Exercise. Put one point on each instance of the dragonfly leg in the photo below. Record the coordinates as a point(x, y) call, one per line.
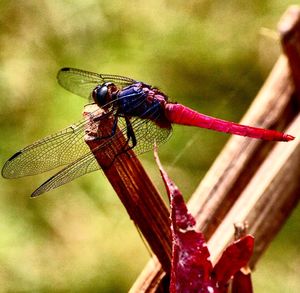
point(130, 135)
point(115, 124)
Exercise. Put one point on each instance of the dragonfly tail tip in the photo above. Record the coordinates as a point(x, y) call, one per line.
point(288, 137)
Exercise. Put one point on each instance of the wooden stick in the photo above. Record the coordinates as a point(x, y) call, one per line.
point(241, 157)
point(267, 201)
point(289, 28)
point(131, 183)
point(272, 193)
point(151, 278)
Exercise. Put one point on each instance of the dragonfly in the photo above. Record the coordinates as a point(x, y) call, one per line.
point(140, 112)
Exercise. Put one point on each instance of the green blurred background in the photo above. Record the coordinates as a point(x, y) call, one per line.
point(210, 55)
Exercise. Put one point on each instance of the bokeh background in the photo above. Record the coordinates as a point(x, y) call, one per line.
point(210, 55)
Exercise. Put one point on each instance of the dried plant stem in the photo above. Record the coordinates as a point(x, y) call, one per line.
point(267, 201)
point(133, 186)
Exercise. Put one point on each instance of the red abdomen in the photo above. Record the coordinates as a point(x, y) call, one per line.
point(179, 114)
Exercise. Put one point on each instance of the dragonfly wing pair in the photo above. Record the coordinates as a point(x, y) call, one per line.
point(67, 147)
point(147, 133)
point(82, 83)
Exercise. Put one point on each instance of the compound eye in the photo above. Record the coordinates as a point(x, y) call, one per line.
point(100, 95)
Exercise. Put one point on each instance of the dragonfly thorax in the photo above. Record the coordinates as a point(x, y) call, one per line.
point(102, 94)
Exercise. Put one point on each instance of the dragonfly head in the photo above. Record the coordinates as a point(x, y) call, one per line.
point(103, 94)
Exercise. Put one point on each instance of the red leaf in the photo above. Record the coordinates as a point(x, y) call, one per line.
point(191, 267)
point(236, 256)
point(241, 282)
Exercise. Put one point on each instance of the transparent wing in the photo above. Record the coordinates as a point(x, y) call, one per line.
point(146, 131)
point(50, 152)
point(82, 83)
point(84, 165)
